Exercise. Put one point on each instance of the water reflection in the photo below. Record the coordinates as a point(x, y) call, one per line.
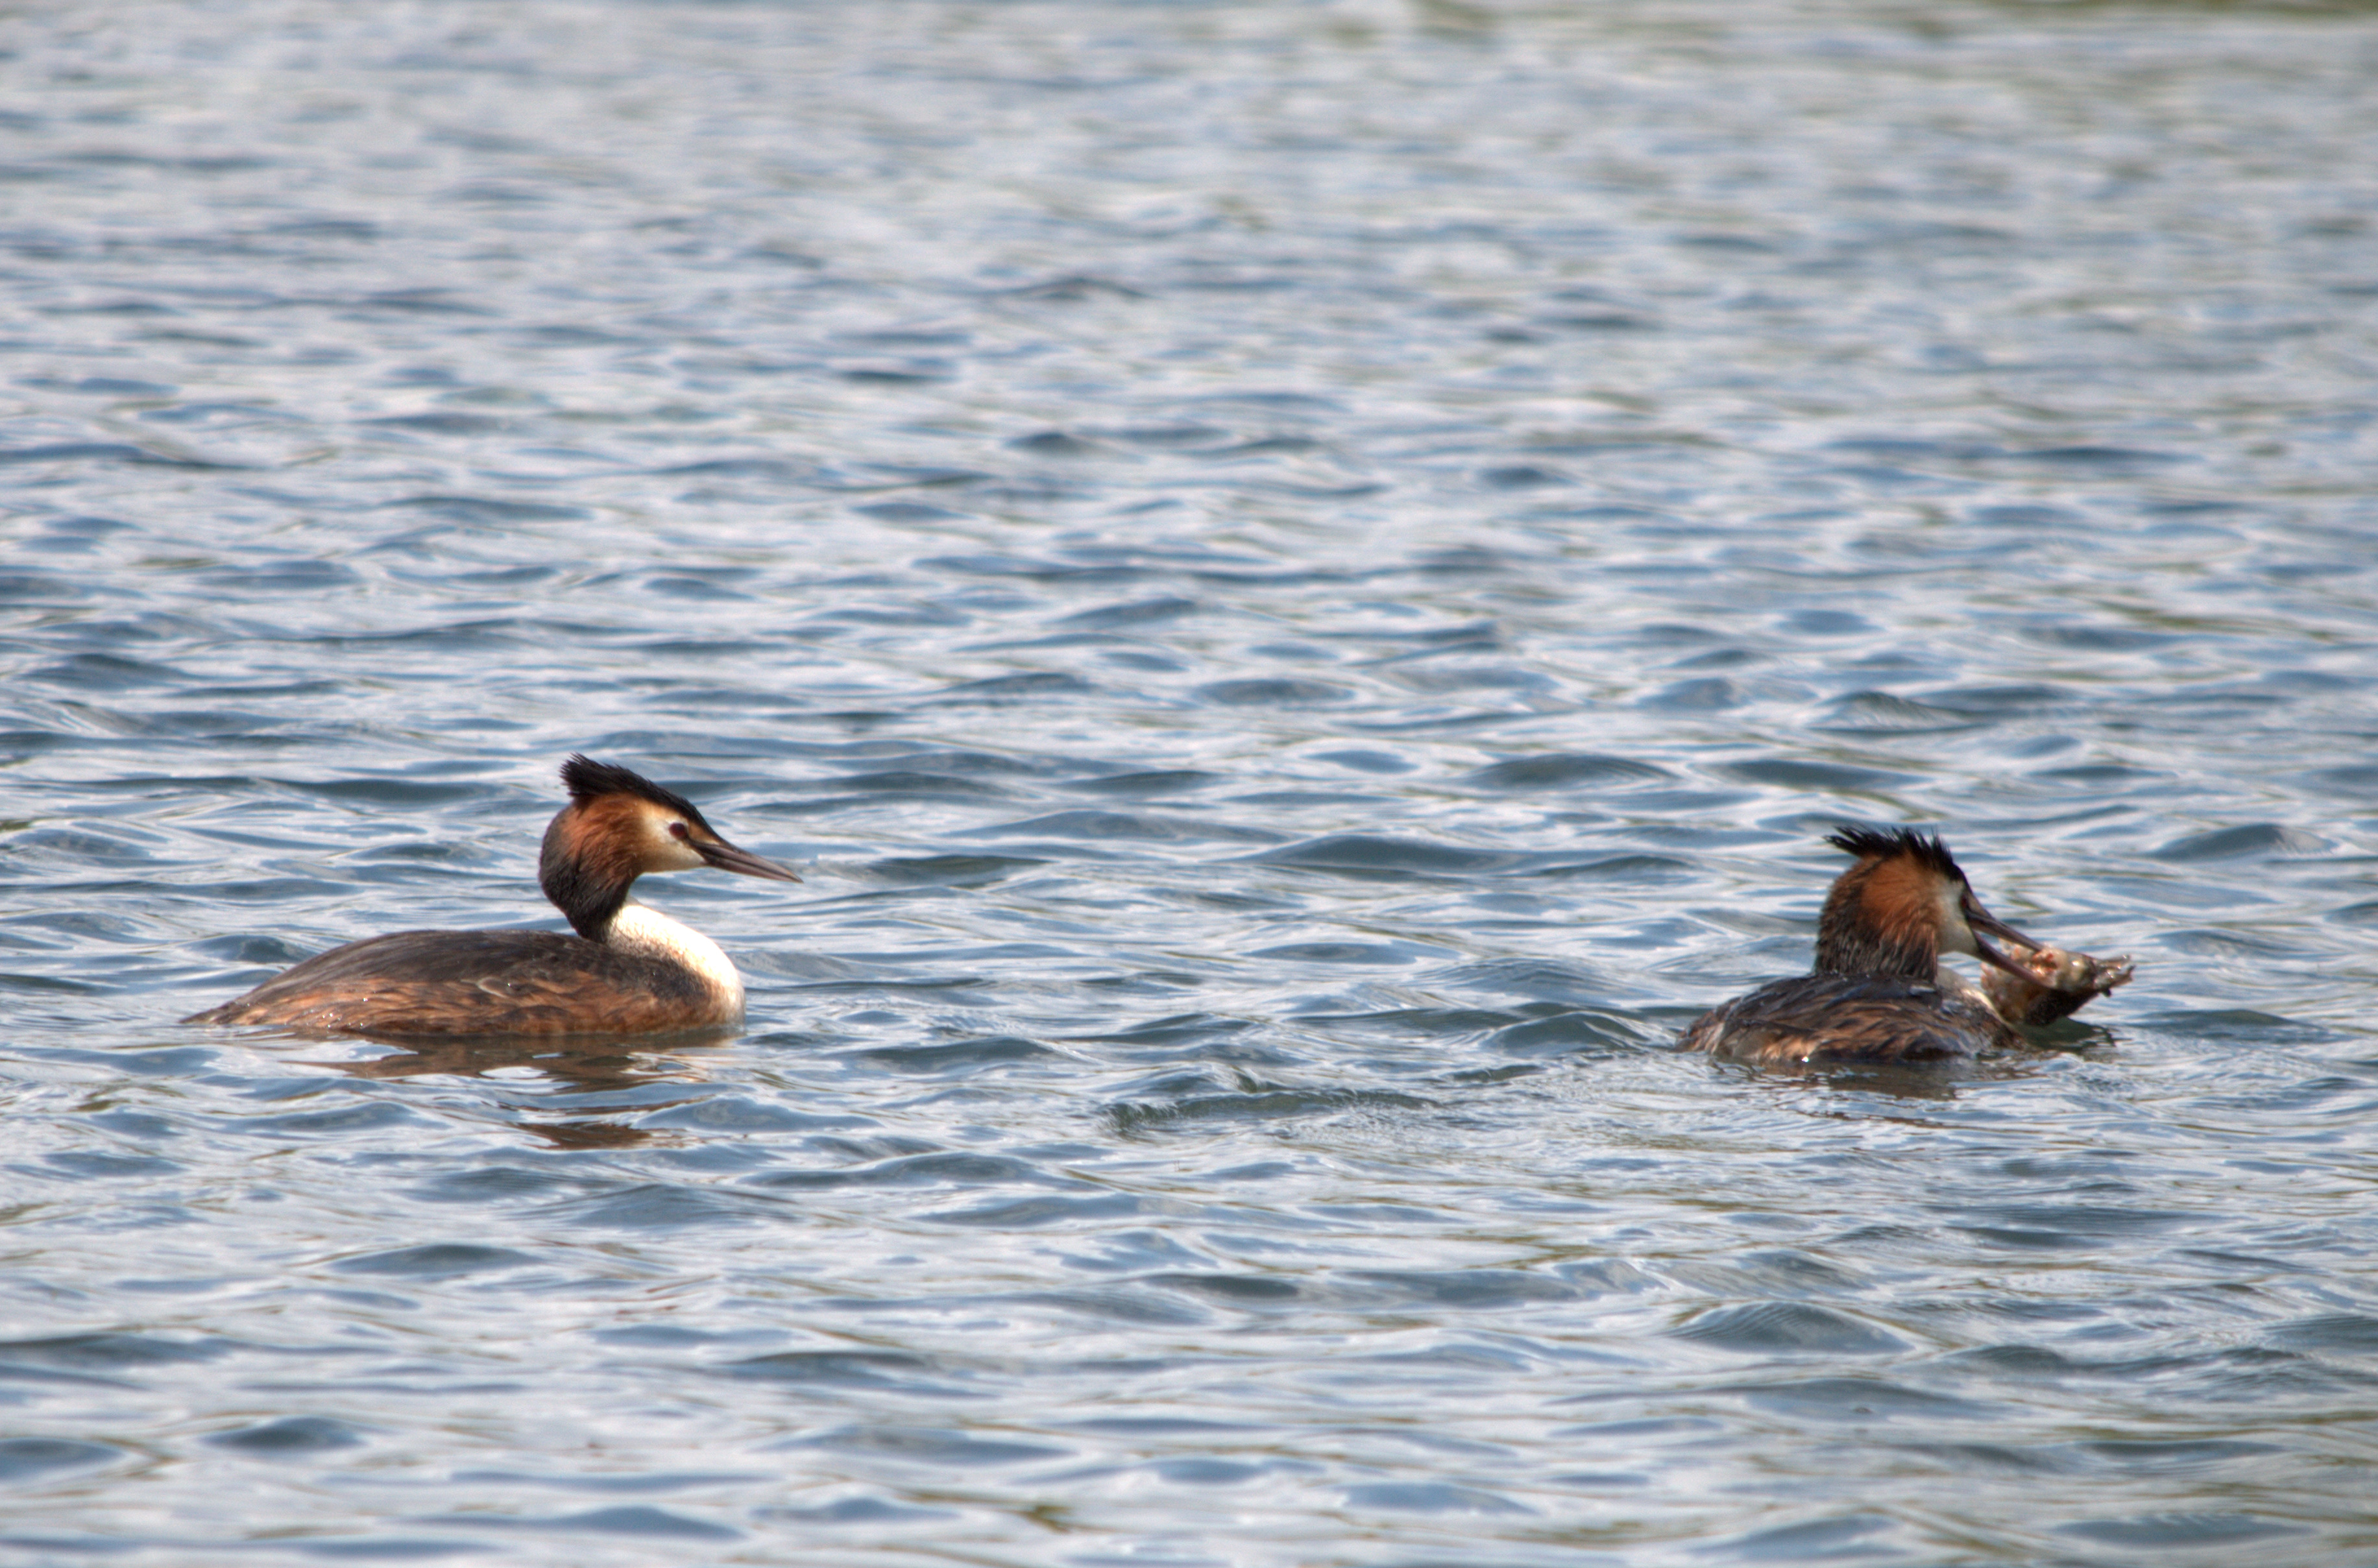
point(623, 1069)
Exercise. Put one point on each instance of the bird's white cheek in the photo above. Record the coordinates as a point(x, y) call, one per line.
point(669, 853)
point(1956, 936)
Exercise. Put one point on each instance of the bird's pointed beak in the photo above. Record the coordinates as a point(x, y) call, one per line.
point(1985, 924)
point(724, 856)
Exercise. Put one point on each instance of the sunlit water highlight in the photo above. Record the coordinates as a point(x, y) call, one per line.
point(1304, 582)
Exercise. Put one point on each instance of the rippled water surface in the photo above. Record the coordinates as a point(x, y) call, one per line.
point(1304, 582)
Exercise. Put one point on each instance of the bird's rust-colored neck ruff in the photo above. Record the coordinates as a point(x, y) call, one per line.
point(1883, 918)
point(590, 860)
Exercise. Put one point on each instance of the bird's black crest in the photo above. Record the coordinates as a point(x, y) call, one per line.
point(1879, 843)
point(588, 780)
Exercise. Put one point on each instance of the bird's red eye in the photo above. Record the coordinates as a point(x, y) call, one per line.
point(676, 830)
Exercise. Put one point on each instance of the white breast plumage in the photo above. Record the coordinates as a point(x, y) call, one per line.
point(639, 929)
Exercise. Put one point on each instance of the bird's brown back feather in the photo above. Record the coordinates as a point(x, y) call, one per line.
point(412, 985)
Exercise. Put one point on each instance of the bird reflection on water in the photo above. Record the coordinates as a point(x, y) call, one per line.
point(621, 1065)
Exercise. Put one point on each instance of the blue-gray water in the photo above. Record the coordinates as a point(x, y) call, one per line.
point(1303, 580)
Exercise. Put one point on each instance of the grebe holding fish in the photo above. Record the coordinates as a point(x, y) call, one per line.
point(1879, 993)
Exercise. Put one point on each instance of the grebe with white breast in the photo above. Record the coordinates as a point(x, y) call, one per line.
point(1879, 993)
point(629, 970)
